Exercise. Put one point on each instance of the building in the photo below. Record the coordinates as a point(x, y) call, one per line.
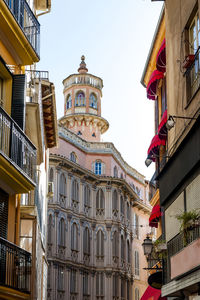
point(179, 176)
point(97, 206)
point(25, 137)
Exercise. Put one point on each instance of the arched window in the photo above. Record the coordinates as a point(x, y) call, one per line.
point(75, 190)
point(80, 99)
point(69, 101)
point(86, 196)
point(115, 285)
point(137, 264)
point(100, 285)
point(62, 186)
point(100, 202)
point(122, 289)
point(73, 156)
point(85, 284)
point(115, 246)
point(115, 203)
point(128, 252)
point(93, 101)
point(50, 227)
point(128, 211)
point(122, 248)
point(122, 205)
point(98, 167)
point(61, 233)
point(137, 294)
point(86, 241)
point(51, 175)
point(115, 172)
point(100, 244)
point(74, 237)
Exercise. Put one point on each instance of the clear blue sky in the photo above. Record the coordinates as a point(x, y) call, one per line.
point(115, 37)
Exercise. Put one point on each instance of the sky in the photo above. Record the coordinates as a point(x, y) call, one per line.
point(115, 36)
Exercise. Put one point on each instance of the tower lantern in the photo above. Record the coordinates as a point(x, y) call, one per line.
point(82, 99)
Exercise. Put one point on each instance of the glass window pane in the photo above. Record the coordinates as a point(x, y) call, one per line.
point(26, 228)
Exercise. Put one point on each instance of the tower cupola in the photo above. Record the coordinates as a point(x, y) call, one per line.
point(82, 100)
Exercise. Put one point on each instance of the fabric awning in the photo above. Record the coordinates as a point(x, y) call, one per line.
point(161, 58)
point(154, 147)
point(155, 215)
point(152, 294)
point(162, 130)
point(152, 85)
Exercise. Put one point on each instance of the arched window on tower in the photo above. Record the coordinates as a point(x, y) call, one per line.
point(100, 203)
point(93, 101)
point(51, 175)
point(86, 199)
point(115, 172)
point(69, 102)
point(75, 194)
point(62, 189)
point(98, 167)
point(80, 99)
point(86, 242)
point(122, 248)
point(122, 206)
point(73, 157)
point(100, 245)
point(115, 246)
point(115, 204)
point(50, 229)
point(128, 252)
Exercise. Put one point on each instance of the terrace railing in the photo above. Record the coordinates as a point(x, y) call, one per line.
point(27, 21)
point(16, 147)
point(15, 267)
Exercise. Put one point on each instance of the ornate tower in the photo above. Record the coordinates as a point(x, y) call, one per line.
point(82, 111)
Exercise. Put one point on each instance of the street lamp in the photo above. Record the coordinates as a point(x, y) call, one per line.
point(147, 246)
point(171, 122)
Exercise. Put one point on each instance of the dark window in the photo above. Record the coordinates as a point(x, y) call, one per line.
point(3, 214)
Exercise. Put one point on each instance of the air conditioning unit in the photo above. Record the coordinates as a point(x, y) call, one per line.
point(50, 189)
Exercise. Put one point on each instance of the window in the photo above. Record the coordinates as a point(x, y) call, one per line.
point(62, 186)
point(75, 190)
point(136, 225)
point(100, 284)
point(1, 91)
point(100, 203)
point(73, 282)
point(128, 252)
point(115, 245)
point(51, 175)
point(69, 101)
point(137, 268)
point(26, 234)
point(122, 205)
point(85, 284)
point(122, 248)
point(115, 286)
point(74, 237)
point(93, 101)
point(128, 290)
point(50, 227)
point(122, 289)
point(61, 233)
point(73, 157)
point(60, 278)
point(86, 241)
point(115, 172)
point(194, 34)
point(137, 294)
point(80, 99)
point(115, 204)
point(98, 168)
point(100, 244)
point(86, 197)
point(128, 211)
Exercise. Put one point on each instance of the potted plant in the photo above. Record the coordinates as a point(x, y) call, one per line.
point(160, 245)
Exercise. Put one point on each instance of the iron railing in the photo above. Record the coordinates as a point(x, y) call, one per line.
point(15, 267)
point(16, 146)
point(41, 75)
point(27, 21)
point(193, 76)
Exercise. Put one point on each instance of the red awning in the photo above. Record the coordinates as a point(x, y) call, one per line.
point(162, 130)
point(161, 58)
point(155, 215)
point(152, 294)
point(154, 147)
point(152, 85)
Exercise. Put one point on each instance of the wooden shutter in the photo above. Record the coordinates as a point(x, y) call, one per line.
point(3, 214)
point(18, 100)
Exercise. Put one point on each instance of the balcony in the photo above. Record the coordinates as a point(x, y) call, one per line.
point(193, 77)
point(27, 21)
point(17, 156)
point(15, 266)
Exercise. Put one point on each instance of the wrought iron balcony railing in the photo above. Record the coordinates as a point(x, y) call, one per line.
point(193, 76)
point(27, 21)
point(16, 147)
point(15, 267)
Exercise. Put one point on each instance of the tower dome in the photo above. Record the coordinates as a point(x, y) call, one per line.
point(82, 100)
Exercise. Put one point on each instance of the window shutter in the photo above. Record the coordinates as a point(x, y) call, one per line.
point(3, 214)
point(18, 100)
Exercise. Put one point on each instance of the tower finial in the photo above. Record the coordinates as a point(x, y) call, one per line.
point(82, 68)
